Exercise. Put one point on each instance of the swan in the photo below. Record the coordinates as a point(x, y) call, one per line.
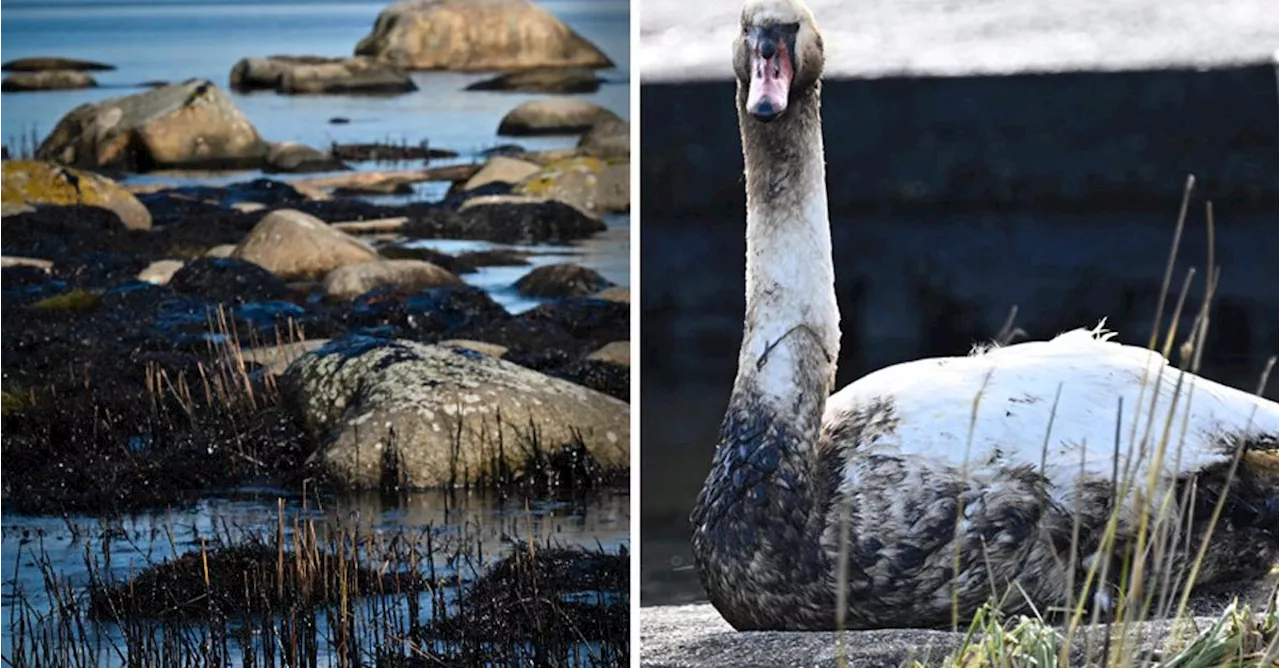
point(938, 482)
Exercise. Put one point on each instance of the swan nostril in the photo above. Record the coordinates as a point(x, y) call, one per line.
point(764, 111)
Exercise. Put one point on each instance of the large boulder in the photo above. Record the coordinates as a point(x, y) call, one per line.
point(353, 280)
point(589, 184)
point(46, 80)
point(558, 80)
point(476, 35)
point(553, 116)
point(564, 279)
point(314, 75)
point(191, 125)
point(31, 183)
point(47, 63)
point(295, 245)
point(500, 169)
point(416, 415)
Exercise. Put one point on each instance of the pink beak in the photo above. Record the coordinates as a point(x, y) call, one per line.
point(771, 72)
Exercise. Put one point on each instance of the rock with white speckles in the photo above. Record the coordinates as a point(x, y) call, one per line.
point(415, 415)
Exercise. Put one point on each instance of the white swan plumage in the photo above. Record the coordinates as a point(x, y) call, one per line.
point(939, 482)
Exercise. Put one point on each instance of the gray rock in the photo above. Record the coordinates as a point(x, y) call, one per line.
point(559, 80)
point(561, 280)
point(296, 158)
point(43, 64)
point(553, 116)
point(47, 80)
point(501, 169)
point(160, 271)
point(316, 75)
point(320, 76)
point(476, 35)
point(692, 636)
point(189, 125)
point(416, 415)
point(294, 245)
point(608, 138)
point(353, 280)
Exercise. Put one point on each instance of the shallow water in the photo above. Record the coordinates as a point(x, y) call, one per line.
point(488, 526)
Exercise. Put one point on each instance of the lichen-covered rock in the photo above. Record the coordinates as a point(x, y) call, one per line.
point(553, 116)
point(476, 35)
point(561, 280)
point(316, 75)
point(191, 125)
point(35, 183)
point(416, 415)
point(295, 245)
point(559, 80)
point(46, 80)
point(590, 184)
point(353, 280)
point(501, 169)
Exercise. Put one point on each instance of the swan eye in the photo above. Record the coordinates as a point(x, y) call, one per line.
point(790, 28)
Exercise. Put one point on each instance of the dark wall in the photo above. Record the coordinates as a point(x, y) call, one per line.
point(952, 200)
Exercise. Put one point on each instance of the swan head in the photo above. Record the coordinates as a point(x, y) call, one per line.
point(777, 55)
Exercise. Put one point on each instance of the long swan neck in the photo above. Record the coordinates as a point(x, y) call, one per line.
point(759, 522)
point(792, 324)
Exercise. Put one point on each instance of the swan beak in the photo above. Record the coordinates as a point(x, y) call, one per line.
point(771, 71)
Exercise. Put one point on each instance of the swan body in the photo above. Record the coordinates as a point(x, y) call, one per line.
point(938, 483)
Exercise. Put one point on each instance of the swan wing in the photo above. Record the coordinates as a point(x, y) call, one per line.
point(1066, 407)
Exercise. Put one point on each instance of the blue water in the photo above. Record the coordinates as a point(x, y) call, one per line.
point(173, 40)
point(485, 526)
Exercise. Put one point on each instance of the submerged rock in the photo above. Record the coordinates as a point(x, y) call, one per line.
point(353, 280)
point(561, 80)
point(561, 280)
point(294, 245)
point(553, 116)
point(29, 182)
point(413, 415)
point(47, 80)
point(476, 35)
point(313, 75)
point(191, 125)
